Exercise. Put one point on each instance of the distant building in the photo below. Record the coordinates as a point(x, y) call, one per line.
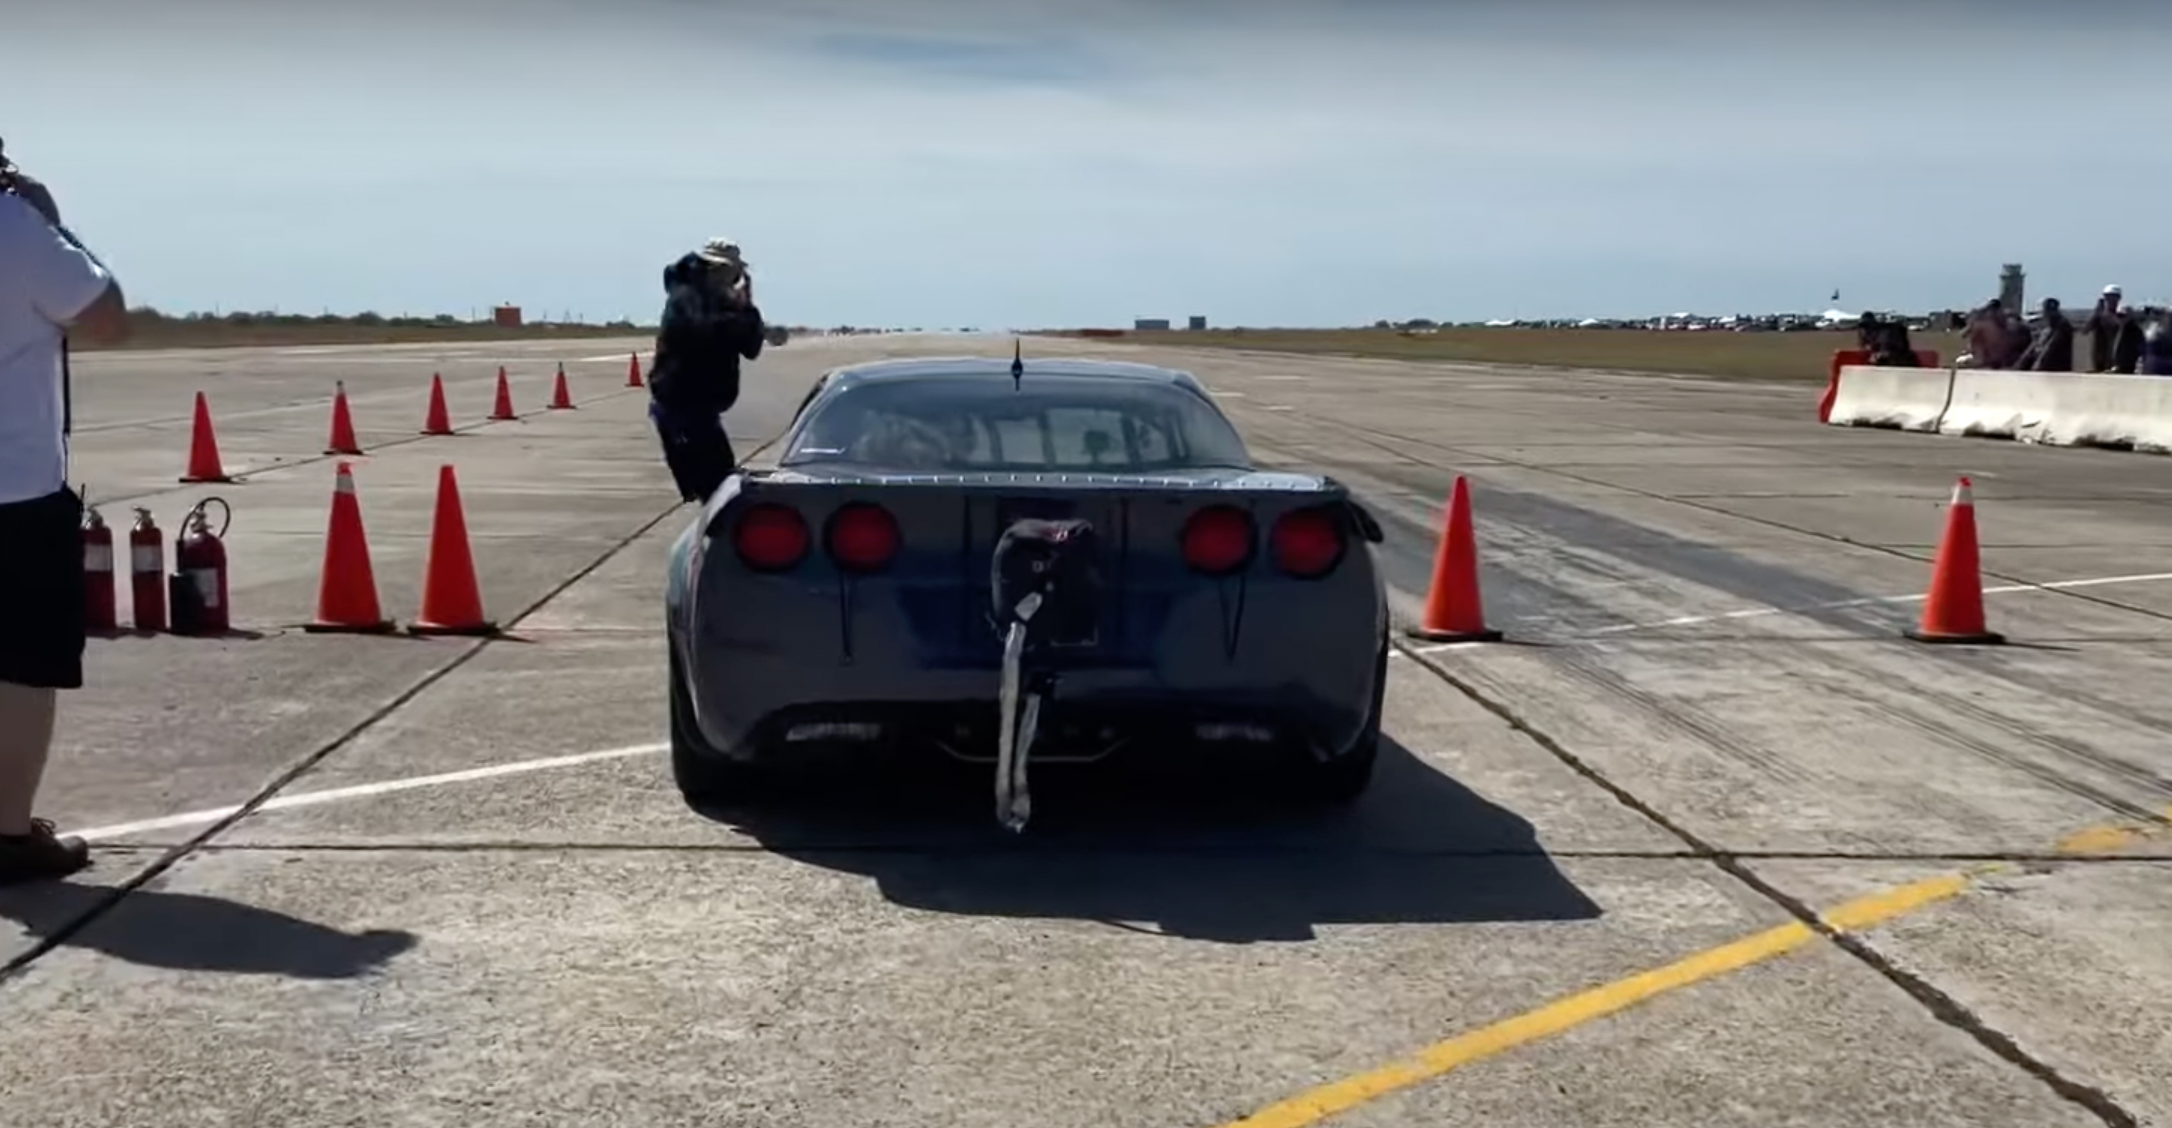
point(2013, 291)
point(506, 317)
point(1196, 322)
point(1150, 324)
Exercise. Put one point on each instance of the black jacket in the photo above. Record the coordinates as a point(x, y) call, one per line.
point(2127, 346)
point(2115, 341)
point(700, 343)
point(2053, 349)
point(1890, 347)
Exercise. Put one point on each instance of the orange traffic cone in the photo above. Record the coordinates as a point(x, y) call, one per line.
point(347, 587)
point(452, 603)
point(504, 407)
point(633, 371)
point(342, 440)
point(204, 462)
point(1454, 611)
point(438, 421)
point(1953, 609)
point(561, 396)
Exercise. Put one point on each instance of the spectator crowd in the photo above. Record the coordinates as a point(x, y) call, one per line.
point(2121, 339)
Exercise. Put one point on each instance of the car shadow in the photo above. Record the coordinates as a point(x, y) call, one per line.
point(194, 932)
point(1195, 849)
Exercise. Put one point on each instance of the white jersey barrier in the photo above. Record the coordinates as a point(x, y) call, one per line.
point(2052, 408)
point(1907, 399)
point(2063, 409)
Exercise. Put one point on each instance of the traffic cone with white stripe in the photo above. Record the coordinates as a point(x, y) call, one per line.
point(204, 462)
point(1953, 608)
point(437, 421)
point(347, 590)
point(342, 440)
point(503, 409)
point(452, 601)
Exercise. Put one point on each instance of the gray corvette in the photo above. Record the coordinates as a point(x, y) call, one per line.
point(1014, 561)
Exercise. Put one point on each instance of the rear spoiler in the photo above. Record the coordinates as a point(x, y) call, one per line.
point(1367, 527)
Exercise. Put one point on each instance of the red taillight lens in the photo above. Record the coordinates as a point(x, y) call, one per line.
point(1308, 543)
point(770, 538)
point(1218, 540)
point(862, 537)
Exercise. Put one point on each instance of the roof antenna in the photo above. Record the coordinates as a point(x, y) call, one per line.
point(1018, 363)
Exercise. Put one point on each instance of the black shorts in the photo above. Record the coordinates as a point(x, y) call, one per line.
point(41, 592)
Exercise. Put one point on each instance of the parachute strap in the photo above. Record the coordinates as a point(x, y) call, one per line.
point(1041, 582)
point(1014, 737)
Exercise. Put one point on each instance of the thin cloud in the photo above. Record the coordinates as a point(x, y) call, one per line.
point(1040, 61)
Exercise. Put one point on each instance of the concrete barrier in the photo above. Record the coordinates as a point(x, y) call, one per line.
point(2062, 409)
point(1925, 358)
point(1906, 399)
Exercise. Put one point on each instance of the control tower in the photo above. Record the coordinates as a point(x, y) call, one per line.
point(2012, 288)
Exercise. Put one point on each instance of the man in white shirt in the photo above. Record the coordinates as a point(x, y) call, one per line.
point(49, 286)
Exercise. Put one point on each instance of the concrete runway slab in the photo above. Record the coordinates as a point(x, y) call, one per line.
point(1858, 1053)
point(2101, 1021)
point(472, 887)
point(612, 690)
point(698, 988)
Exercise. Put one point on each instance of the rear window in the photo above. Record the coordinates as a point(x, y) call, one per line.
point(981, 423)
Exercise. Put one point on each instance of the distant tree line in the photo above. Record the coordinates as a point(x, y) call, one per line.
point(148, 317)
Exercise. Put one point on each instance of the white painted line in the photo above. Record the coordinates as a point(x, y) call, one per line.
point(1759, 612)
point(367, 790)
point(1228, 395)
point(1437, 648)
point(1279, 407)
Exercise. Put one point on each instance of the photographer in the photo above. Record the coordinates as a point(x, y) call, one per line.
point(49, 285)
point(710, 323)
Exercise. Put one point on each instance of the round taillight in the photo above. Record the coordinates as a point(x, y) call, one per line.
point(1218, 540)
point(1308, 542)
point(770, 538)
point(862, 537)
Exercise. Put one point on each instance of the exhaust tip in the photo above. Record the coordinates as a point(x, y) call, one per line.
point(1234, 734)
point(809, 733)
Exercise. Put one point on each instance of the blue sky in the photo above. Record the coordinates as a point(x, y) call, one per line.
point(1034, 162)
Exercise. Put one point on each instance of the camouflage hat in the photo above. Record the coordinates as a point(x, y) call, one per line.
point(721, 252)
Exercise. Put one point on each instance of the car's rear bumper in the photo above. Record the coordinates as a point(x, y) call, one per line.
point(744, 706)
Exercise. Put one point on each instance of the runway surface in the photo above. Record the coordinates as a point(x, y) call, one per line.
point(355, 880)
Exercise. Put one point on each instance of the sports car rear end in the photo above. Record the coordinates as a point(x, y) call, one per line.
point(831, 602)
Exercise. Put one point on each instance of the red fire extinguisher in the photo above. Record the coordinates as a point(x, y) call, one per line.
point(199, 573)
point(147, 572)
point(99, 611)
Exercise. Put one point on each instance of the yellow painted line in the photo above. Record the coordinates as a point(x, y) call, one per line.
point(1327, 1100)
point(2107, 839)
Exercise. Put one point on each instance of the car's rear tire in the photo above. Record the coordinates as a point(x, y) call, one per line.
point(705, 777)
point(1343, 779)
